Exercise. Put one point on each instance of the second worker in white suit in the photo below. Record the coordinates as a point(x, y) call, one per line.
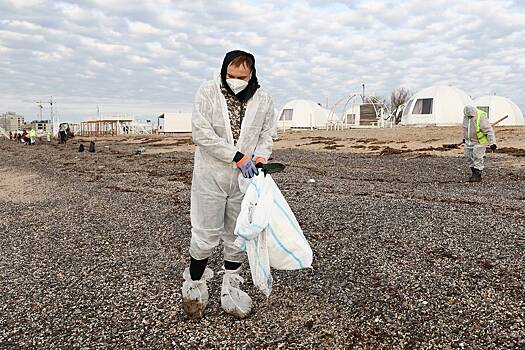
point(232, 126)
point(478, 133)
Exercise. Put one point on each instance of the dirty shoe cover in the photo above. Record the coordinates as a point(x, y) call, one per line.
point(233, 300)
point(195, 293)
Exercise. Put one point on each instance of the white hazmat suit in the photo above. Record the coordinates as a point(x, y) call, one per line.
point(215, 194)
point(474, 150)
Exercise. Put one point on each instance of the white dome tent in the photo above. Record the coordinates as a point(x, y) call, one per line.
point(436, 105)
point(497, 107)
point(303, 114)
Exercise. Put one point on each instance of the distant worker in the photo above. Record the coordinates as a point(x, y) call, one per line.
point(62, 134)
point(10, 135)
point(48, 137)
point(477, 134)
point(232, 127)
point(25, 137)
point(32, 136)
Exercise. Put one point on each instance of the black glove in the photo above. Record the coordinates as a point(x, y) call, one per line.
point(493, 147)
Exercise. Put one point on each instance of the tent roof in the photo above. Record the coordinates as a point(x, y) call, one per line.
point(499, 107)
point(301, 104)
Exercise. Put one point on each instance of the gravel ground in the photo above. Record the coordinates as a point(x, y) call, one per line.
point(406, 254)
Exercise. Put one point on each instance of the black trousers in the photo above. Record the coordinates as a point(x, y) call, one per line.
point(62, 137)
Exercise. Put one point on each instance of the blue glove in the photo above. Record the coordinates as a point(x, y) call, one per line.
point(247, 167)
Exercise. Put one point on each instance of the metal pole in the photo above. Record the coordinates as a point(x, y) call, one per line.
point(500, 120)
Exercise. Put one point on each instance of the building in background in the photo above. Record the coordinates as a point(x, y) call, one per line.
point(174, 122)
point(369, 114)
point(11, 121)
point(113, 126)
point(40, 125)
point(74, 128)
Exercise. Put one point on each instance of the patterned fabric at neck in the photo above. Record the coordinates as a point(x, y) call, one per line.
point(236, 109)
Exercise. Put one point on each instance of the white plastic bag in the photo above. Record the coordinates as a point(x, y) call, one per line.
point(269, 232)
point(287, 246)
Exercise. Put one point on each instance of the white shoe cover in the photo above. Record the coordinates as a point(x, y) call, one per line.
point(233, 300)
point(195, 293)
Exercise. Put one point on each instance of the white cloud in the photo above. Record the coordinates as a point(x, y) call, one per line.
point(4, 50)
point(20, 4)
point(74, 12)
point(46, 56)
point(157, 51)
point(139, 59)
point(97, 64)
point(103, 48)
point(161, 71)
point(142, 28)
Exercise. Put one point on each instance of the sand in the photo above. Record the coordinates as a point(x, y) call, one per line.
point(434, 140)
point(19, 186)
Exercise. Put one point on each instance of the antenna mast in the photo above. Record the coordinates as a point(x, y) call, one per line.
point(54, 116)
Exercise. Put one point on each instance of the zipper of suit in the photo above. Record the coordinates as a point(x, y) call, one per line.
point(469, 142)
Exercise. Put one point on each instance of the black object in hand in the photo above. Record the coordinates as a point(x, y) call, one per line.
point(270, 168)
point(493, 147)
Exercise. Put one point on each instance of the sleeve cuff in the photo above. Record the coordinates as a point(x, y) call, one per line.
point(238, 156)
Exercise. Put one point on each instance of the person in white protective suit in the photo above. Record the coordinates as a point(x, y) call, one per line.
point(478, 133)
point(232, 126)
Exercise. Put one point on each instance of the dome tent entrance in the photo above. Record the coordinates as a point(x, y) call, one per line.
point(497, 107)
point(436, 105)
point(303, 114)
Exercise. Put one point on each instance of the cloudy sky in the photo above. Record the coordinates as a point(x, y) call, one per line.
point(148, 57)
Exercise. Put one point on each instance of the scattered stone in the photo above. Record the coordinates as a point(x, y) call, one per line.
point(93, 255)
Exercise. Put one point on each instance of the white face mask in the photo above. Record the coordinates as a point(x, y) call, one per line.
point(237, 85)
